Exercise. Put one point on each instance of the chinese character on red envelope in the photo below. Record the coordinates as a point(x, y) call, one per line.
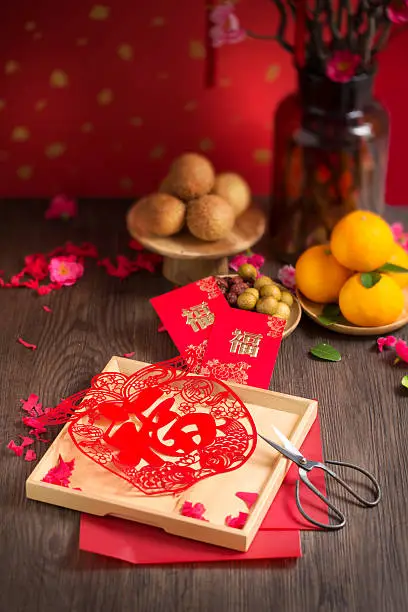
point(188, 313)
point(243, 347)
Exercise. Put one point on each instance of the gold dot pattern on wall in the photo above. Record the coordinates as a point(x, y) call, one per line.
point(30, 26)
point(25, 172)
point(262, 156)
point(125, 52)
point(197, 49)
point(272, 73)
point(157, 152)
point(40, 105)
point(99, 12)
point(59, 79)
point(55, 150)
point(126, 183)
point(157, 22)
point(105, 97)
point(163, 76)
point(206, 144)
point(82, 41)
point(136, 121)
point(87, 127)
point(11, 67)
point(2, 104)
point(225, 82)
point(20, 134)
point(37, 35)
point(191, 105)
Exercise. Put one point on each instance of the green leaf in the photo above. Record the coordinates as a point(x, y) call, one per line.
point(330, 314)
point(404, 382)
point(390, 267)
point(369, 279)
point(326, 352)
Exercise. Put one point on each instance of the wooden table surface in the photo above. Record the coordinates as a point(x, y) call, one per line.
point(364, 417)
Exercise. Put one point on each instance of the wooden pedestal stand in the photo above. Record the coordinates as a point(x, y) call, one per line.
point(187, 259)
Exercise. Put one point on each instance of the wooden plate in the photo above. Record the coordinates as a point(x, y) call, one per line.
point(313, 310)
point(295, 311)
point(248, 229)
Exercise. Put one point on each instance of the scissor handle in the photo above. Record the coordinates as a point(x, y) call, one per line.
point(339, 515)
point(365, 502)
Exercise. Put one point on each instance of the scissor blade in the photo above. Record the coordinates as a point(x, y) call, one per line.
point(280, 449)
point(287, 444)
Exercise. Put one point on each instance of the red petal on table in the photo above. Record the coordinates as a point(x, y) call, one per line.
point(46, 289)
point(26, 441)
point(135, 245)
point(18, 450)
point(35, 424)
point(47, 309)
point(30, 455)
point(31, 404)
point(129, 354)
point(161, 328)
point(122, 270)
point(27, 344)
point(248, 498)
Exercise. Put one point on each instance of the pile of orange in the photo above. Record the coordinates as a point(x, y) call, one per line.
point(361, 243)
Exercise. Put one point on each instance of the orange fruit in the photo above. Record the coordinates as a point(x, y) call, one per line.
point(380, 305)
point(362, 241)
point(399, 257)
point(319, 276)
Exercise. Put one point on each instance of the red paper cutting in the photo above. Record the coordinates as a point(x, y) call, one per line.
point(160, 429)
point(128, 355)
point(47, 309)
point(193, 510)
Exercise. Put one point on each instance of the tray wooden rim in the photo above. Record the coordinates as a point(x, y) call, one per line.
point(220, 535)
point(314, 309)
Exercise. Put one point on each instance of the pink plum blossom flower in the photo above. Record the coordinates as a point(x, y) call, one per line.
point(401, 349)
point(387, 341)
point(286, 275)
point(255, 259)
point(342, 66)
point(397, 11)
point(226, 29)
point(65, 270)
point(400, 236)
point(61, 207)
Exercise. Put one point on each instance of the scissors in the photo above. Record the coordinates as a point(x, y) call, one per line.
point(305, 466)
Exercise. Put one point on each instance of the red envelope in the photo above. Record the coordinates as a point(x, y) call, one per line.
point(140, 544)
point(188, 313)
point(137, 543)
point(243, 347)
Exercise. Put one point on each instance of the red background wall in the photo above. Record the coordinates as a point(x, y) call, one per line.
point(96, 100)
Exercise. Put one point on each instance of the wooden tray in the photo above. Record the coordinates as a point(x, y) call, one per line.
point(102, 493)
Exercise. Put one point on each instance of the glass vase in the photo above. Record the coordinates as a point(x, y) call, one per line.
point(330, 158)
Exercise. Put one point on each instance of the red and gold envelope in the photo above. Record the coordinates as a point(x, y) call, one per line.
point(243, 347)
point(188, 313)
